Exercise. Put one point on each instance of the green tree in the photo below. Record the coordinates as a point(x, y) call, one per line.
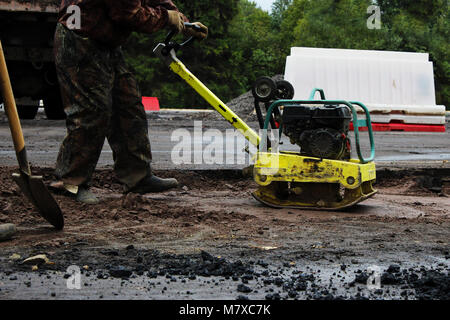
point(421, 26)
point(246, 42)
point(252, 45)
point(279, 9)
point(331, 24)
point(414, 26)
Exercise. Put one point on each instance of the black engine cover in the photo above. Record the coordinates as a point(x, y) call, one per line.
point(320, 132)
point(323, 143)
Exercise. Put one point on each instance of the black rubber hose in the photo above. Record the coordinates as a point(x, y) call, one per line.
point(259, 114)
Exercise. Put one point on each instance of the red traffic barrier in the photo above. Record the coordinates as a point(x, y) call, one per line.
point(150, 103)
point(403, 127)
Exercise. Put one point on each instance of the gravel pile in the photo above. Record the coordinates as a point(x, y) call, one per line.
point(417, 283)
point(243, 105)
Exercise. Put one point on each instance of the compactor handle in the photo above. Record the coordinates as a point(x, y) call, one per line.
point(173, 33)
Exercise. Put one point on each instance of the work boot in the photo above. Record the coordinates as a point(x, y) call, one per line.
point(85, 195)
point(154, 184)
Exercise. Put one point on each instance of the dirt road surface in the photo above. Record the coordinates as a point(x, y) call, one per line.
point(209, 239)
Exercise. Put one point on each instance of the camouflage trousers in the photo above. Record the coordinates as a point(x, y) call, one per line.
point(101, 100)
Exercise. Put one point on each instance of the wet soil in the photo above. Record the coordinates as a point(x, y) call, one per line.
point(210, 239)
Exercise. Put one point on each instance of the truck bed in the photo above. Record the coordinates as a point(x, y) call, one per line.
point(26, 32)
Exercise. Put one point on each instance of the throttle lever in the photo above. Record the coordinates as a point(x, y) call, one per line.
point(172, 33)
point(193, 26)
point(175, 46)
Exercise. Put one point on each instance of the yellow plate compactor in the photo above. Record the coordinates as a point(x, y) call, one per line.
point(322, 174)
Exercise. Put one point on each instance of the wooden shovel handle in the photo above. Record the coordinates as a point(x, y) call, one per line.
point(13, 116)
point(10, 104)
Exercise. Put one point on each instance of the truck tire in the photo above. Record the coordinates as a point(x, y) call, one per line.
point(27, 112)
point(53, 108)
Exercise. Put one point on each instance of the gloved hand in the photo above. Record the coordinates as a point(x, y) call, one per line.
point(175, 20)
point(201, 35)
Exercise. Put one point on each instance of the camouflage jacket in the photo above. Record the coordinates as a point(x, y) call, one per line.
point(112, 21)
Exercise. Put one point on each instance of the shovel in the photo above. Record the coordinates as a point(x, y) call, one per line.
point(32, 186)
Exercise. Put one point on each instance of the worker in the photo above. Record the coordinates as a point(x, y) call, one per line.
point(100, 94)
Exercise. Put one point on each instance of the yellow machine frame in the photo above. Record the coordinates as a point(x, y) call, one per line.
point(286, 167)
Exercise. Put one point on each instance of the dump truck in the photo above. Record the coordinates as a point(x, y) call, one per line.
point(27, 30)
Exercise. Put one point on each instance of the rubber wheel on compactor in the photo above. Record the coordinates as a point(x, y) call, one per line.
point(285, 90)
point(264, 89)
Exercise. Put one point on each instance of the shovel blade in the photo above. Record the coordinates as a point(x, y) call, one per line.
point(34, 189)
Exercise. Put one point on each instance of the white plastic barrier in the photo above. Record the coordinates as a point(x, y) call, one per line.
point(366, 54)
point(408, 119)
point(387, 82)
point(405, 109)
